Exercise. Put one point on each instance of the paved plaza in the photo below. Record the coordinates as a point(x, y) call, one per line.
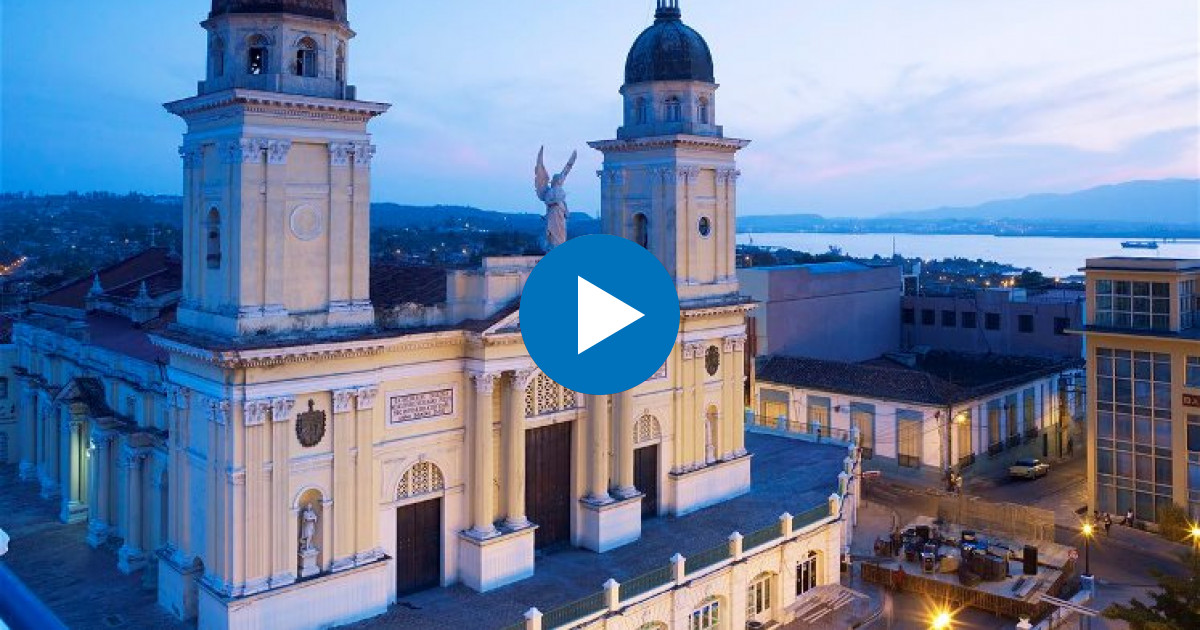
point(80, 584)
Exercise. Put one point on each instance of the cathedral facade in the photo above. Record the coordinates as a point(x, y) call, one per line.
point(264, 418)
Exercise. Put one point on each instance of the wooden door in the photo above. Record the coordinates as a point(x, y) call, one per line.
point(418, 546)
point(645, 477)
point(548, 482)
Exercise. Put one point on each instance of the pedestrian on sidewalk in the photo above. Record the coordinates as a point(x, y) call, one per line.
point(1107, 523)
point(1129, 518)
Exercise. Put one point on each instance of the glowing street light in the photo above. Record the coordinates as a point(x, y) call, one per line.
point(1194, 534)
point(1088, 531)
point(941, 620)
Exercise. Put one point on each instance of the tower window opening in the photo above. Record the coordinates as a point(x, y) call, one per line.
point(702, 113)
point(674, 109)
point(705, 227)
point(257, 55)
point(213, 229)
point(218, 57)
point(306, 58)
point(641, 230)
point(640, 114)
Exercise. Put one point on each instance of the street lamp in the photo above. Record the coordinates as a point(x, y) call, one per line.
point(1194, 533)
point(1087, 531)
point(941, 620)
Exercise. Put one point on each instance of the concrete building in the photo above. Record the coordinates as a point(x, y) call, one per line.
point(1000, 321)
point(1143, 354)
point(933, 411)
point(842, 311)
point(265, 421)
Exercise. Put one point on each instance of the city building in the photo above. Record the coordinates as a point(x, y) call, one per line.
point(998, 320)
point(842, 311)
point(931, 411)
point(265, 421)
point(1143, 354)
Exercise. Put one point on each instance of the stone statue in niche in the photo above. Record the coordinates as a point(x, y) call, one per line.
point(308, 551)
point(550, 190)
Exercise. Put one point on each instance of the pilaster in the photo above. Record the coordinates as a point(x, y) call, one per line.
point(366, 546)
point(482, 456)
point(132, 556)
point(514, 448)
point(283, 557)
point(343, 480)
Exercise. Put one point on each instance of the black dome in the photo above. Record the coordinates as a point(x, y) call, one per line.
point(669, 51)
point(325, 9)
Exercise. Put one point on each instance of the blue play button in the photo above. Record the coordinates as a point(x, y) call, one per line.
point(599, 314)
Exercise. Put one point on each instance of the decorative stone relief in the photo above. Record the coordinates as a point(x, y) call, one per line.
point(485, 382)
point(281, 408)
point(340, 153)
point(712, 360)
point(277, 151)
point(647, 429)
point(421, 405)
point(422, 478)
point(218, 411)
point(342, 400)
point(191, 155)
point(306, 222)
point(310, 426)
point(255, 412)
point(363, 153)
point(735, 343)
point(366, 397)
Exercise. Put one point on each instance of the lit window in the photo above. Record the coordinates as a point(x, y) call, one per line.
point(256, 55)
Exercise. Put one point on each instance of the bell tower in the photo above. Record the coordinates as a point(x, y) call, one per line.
point(669, 178)
point(276, 165)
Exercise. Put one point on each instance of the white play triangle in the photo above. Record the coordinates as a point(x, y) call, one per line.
point(601, 315)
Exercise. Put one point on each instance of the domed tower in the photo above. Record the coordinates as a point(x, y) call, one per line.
point(669, 179)
point(276, 174)
point(669, 183)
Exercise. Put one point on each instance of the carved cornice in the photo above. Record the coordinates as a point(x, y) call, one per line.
point(272, 357)
point(723, 145)
point(276, 103)
point(251, 150)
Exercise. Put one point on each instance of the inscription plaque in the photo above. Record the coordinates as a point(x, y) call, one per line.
point(420, 405)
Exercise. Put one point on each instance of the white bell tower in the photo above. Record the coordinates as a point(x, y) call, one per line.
point(276, 162)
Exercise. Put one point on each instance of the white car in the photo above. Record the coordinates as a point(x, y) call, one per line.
point(1028, 469)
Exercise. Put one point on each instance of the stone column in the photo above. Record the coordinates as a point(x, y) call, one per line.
point(27, 429)
point(131, 557)
point(700, 435)
point(74, 509)
point(283, 553)
point(98, 523)
point(514, 448)
point(739, 389)
point(50, 459)
point(598, 423)
point(255, 419)
point(343, 480)
point(483, 464)
point(623, 407)
point(366, 546)
point(687, 417)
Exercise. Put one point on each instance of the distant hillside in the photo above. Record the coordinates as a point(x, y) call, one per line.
point(1168, 201)
point(396, 216)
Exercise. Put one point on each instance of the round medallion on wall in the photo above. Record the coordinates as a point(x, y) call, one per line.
point(306, 223)
point(705, 226)
point(712, 360)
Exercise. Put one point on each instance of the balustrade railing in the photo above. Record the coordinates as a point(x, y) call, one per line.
point(577, 609)
point(646, 582)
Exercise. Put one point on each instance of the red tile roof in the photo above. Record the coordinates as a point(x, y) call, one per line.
point(156, 266)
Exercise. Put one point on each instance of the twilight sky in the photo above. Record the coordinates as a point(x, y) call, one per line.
point(855, 108)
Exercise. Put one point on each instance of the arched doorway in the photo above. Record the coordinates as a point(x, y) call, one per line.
point(647, 437)
point(419, 529)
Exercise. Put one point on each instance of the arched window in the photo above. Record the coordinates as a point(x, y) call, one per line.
point(758, 597)
point(641, 230)
point(256, 54)
point(212, 227)
point(806, 574)
point(217, 52)
point(640, 114)
point(707, 616)
point(674, 109)
point(306, 58)
point(340, 69)
point(702, 113)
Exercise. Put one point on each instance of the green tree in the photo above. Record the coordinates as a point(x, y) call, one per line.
point(1175, 606)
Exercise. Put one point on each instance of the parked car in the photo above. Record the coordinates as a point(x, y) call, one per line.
point(1028, 469)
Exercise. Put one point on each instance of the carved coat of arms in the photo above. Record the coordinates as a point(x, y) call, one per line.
point(310, 426)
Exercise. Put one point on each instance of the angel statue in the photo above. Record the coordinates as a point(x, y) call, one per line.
point(551, 192)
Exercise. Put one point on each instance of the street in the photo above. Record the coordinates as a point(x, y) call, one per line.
point(1122, 561)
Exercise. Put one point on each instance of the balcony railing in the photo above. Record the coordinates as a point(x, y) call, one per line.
point(646, 582)
point(803, 430)
point(577, 609)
